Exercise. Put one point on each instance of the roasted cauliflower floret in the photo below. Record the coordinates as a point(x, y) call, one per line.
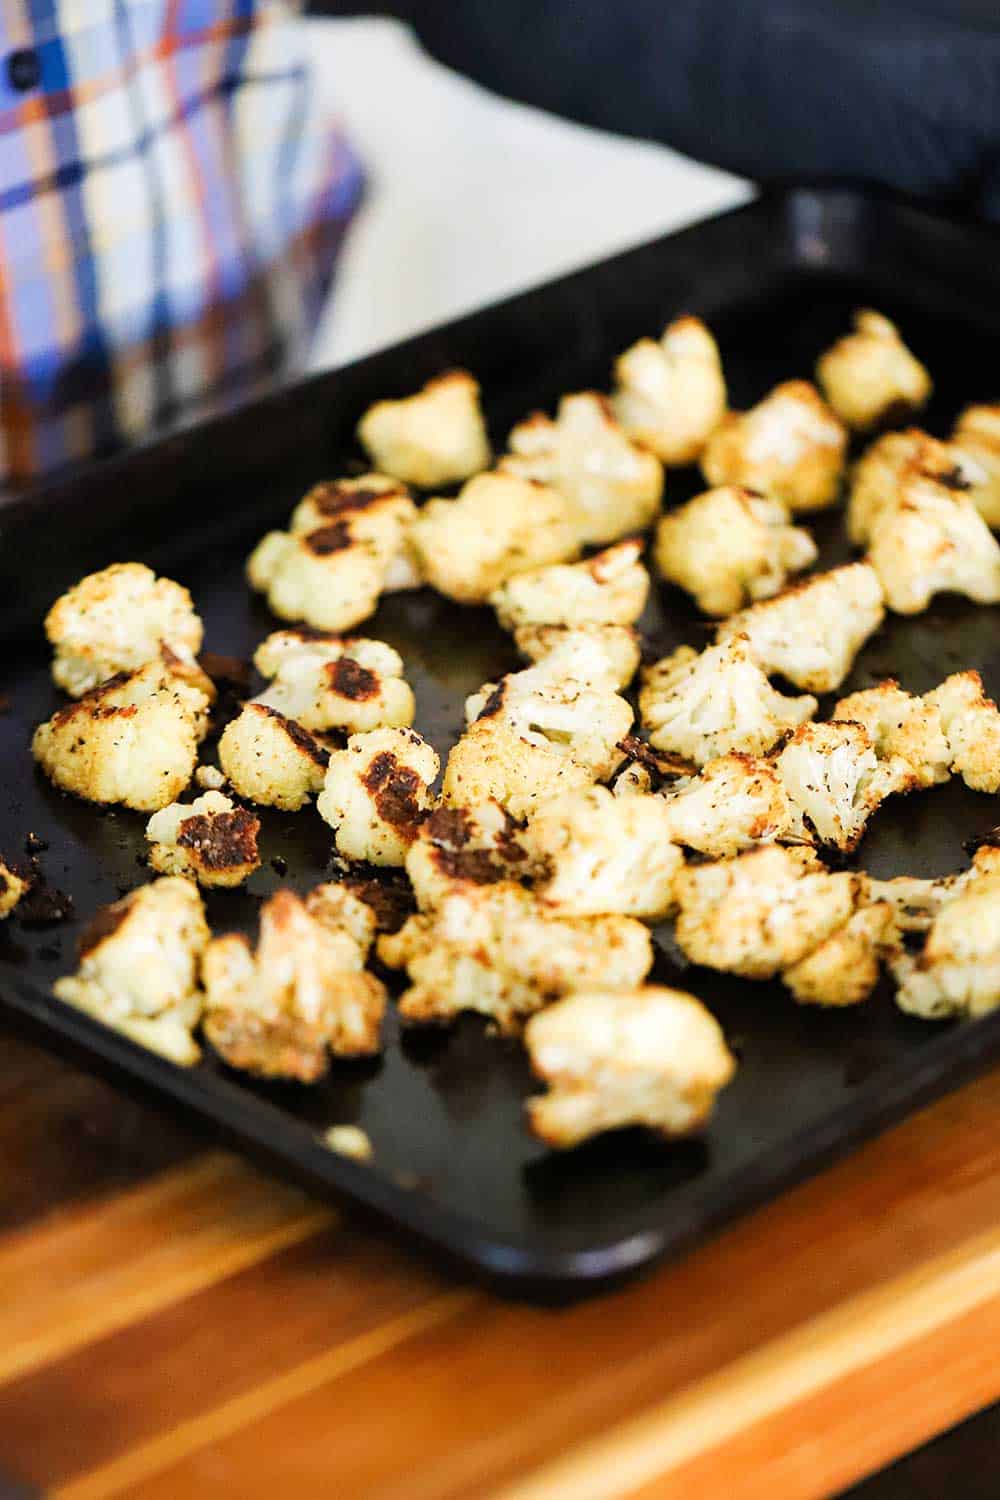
point(737, 802)
point(620, 646)
point(790, 446)
point(874, 485)
point(596, 854)
point(899, 724)
point(14, 883)
point(728, 547)
point(271, 760)
point(327, 682)
point(497, 759)
point(612, 486)
point(138, 970)
point(459, 847)
point(209, 840)
point(835, 781)
point(957, 972)
point(342, 911)
point(377, 792)
point(117, 620)
point(498, 526)
point(813, 631)
point(671, 393)
point(845, 968)
point(498, 950)
point(348, 543)
point(977, 436)
point(610, 588)
point(133, 740)
point(652, 1056)
point(700, 705)
point(915, 902)
point(280, 1011)
point(435, 437)
point(870, 377)
point(971, 723)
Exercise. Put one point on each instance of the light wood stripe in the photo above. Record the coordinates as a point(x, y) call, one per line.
point(853, 1337)
point(154, 1457)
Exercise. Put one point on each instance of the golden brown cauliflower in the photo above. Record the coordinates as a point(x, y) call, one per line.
point(844, 969)
point(209, 840)
point(377, 792)
point(874, 485)
point(435, 437)
point(498, 526)
point(609, 588)
point(957, 972)
point(14, 884)
point(133, 740)
point(700, 705)
point(971, 723)
point(280, 1011)
point(271, 760)
point(651, 1056)
point(835, 781)
point(671, 393)
point(611, 486)
point(138, 970)
point(117, 620)
point(869, 376)
point(730, 546)
point(790, 446)
point(735, 803)
point(325, 681)
point(977, 437)
point(496, 759)
point(901, 725)
point(620, 647)
point(459, 847)
point(812, 632)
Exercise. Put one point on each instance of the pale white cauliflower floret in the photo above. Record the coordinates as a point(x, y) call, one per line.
point(281, 1010)
point(612, 486)
point(730, 546)
point(14, 884)
point(813, 631)
point(790, 446)
point(609, 588)
point(117, 620)
point(870, 377)
point(735, 803)
point(377, 792)
point(134, 740)
point(844, 969)
point(596, 853)
point(916, 901)
point(325, 681)
point(957, 972)
point(977, 436)
point(835, 781)
point(651, 1056)
point(271, 760)
point(671, 392)
point(971, 723)
point(209, 840)
point(434, 437)
point(460, 847)
point(704, 704)
point(498, 526)
point(901, 725)
point(620, 646)
point(138, 970)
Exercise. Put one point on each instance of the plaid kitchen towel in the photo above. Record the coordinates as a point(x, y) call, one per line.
point(170, 212)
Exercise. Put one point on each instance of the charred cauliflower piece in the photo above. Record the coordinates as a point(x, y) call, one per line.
point(652, 1056)
point(620, 647)
point(348, 543)
point(957, 972)
point(14, 884)
point(813, 631)
point(700, 705)
point(498, 526)
point(790, 446)
point(133, 740)
point(900, 725)
point(459, 847)
point(377, 793)
point(271, 760)
point(611, 486)
point(845, 968)
point(118, 620)
point(610, 588)
point(870, 377)
point(971, 723)
point(138, 968)
point(435, 437)
point(730, 546)
point(327, 682)
point(209, 840)
point(671, 393)
point(280, 1011)
point(496, 949)
point(598, 854)
point(736, 803)
point(977, 436)
point(835, 781)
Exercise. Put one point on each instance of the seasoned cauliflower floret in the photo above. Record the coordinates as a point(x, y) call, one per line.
point(620, 646)
point(133, 740)
point(348, 543)
point(609, 588)
point(498, 759)
point(971, 723)
point(977, 436)
point(671, 393)
point(271, 760)
point(870, 377)
point(729, 546)
point(813, 631)
point(496, 949)
point(704, 704)
point(459, 847)
point(874, 485)
point(737, 802)
point(957, 972)
point(117, 621)
point(377, 792)
point(835, 781)
point(900, 725)
point(280, 1011)
point(14, 884)
point(325, 681)
point(652, 1056)
point(209, 840)
point(498, 527)
point(845, 968)
point(598, 854)
point(434, 437)
point(138, 968)
point(790, 446)
point(612, 487)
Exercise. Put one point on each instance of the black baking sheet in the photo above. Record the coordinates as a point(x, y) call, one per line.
point(453, 1162)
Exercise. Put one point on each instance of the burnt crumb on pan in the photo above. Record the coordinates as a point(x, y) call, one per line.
point(333, 499)
point(662, 768)
point(279, 865)
point(45, 906)
point(327, 539)
point(299, 737)
point(223, 841)
point(350, 679)
point(103, 924)
point(226, 671)
point(395, 790)
point(34, 844)
point(389, 895)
